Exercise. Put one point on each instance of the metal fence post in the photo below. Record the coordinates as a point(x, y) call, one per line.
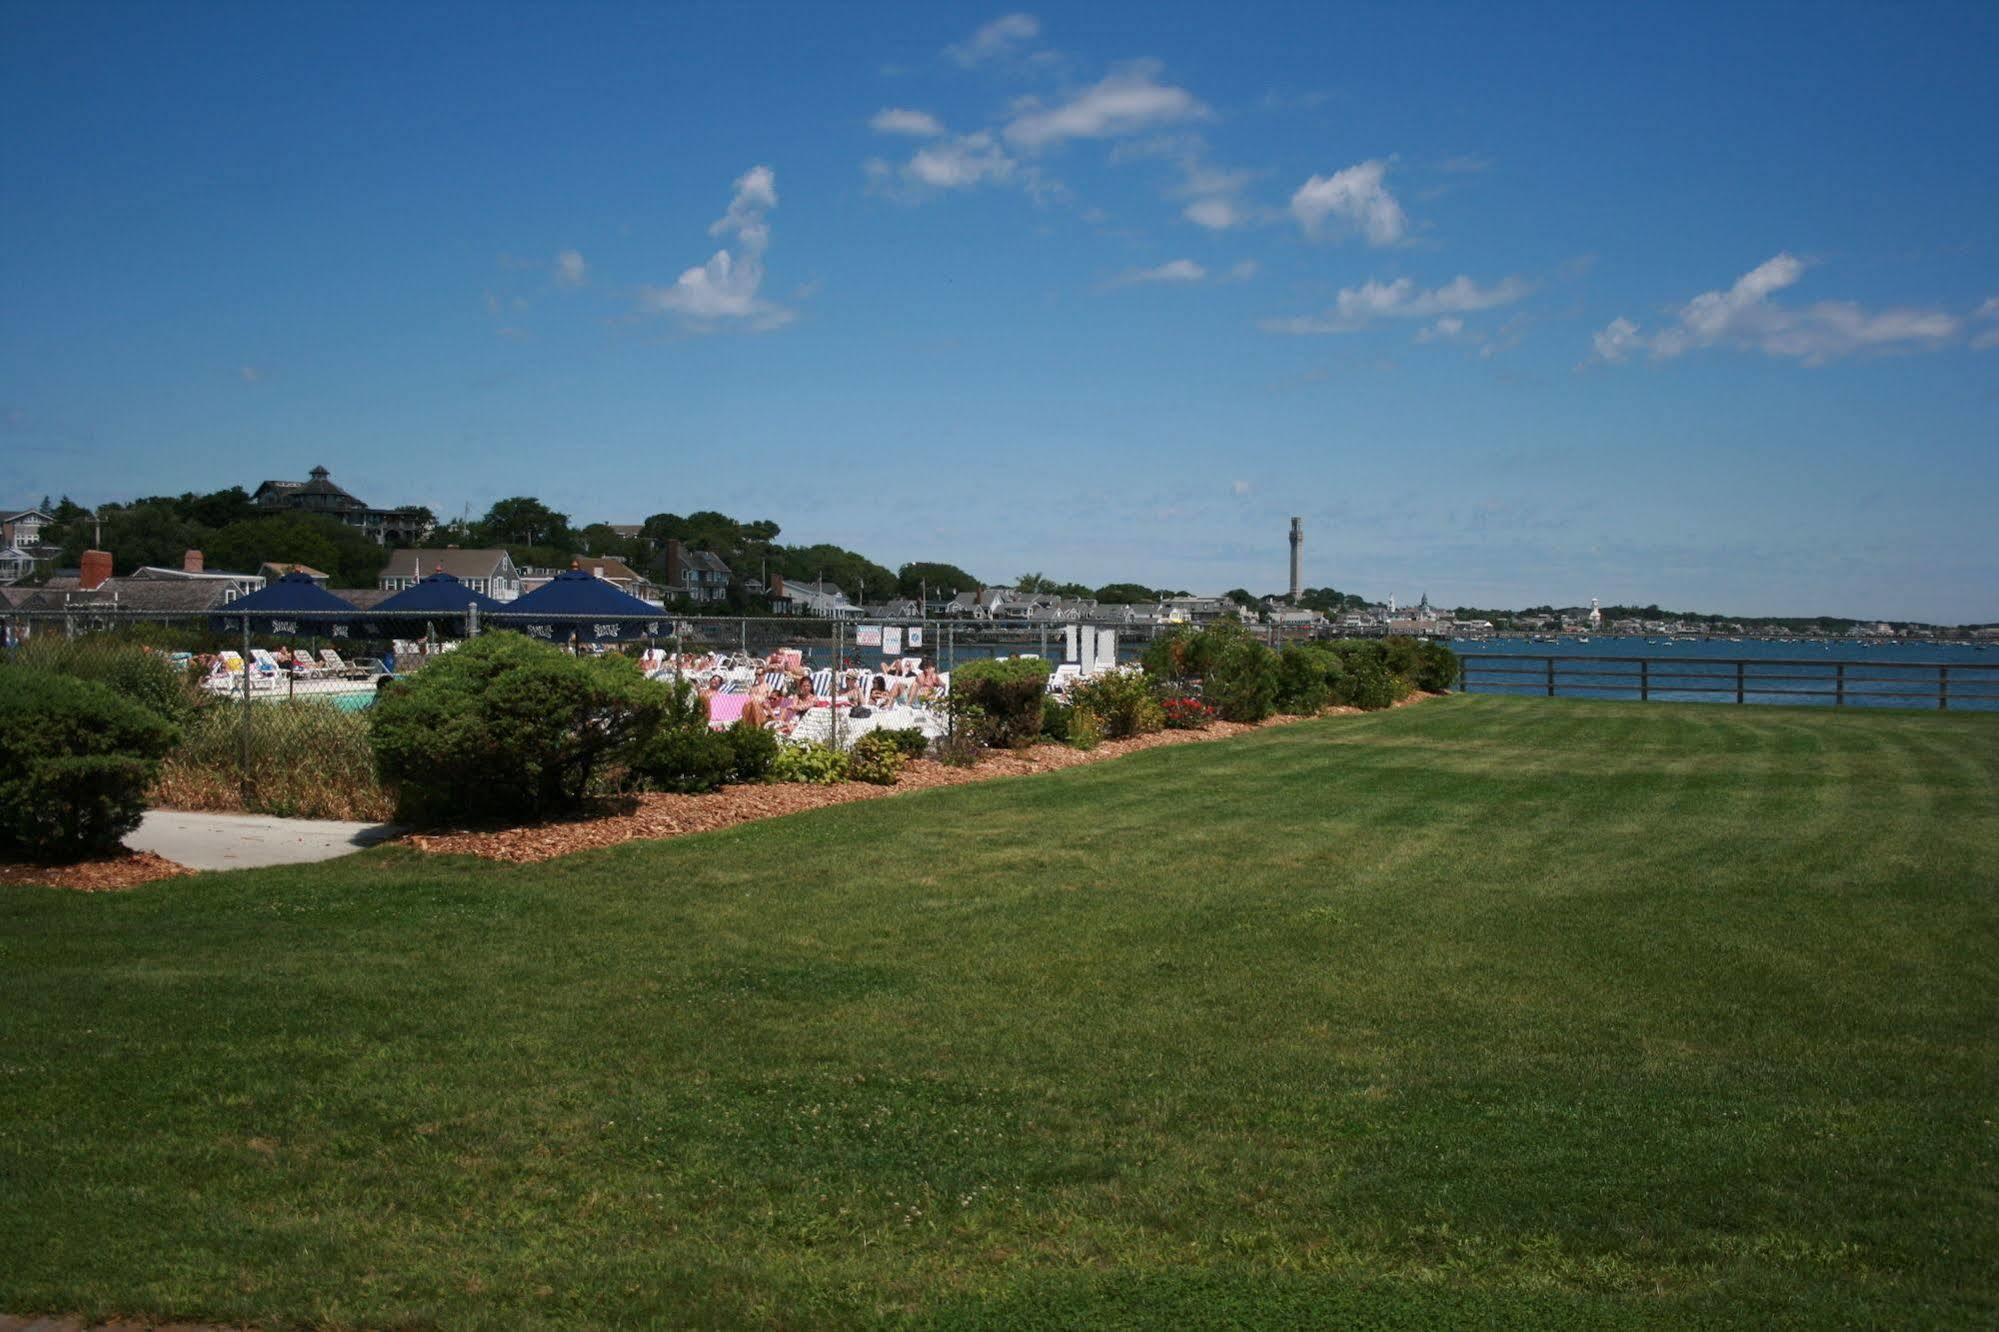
point(1739, 698)
point(1551, 677)
point(243, 774)
point(1644, 679)
point(839, 650)
point(1839, 685)
point(1943, 688)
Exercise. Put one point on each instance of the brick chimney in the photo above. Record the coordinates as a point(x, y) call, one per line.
point(191, 562)
point(96, 568)
point(777, 587)
point(676, 565)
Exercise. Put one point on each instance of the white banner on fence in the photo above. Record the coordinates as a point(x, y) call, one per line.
point(867, 635)
point(892, 641)
point(1086, 656)
point(916, 637)
point(1106, 648)
point(1068, 642)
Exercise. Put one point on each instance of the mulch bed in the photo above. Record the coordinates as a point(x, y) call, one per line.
point(108, 875)
point(658, 816)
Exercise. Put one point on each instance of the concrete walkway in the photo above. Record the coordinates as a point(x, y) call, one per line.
point(250, 841)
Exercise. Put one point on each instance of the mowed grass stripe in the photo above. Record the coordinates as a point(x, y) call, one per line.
point(1488, 1010)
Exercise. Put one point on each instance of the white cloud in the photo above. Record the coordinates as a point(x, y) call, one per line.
point(1617, 340)
point(1176, 270)
point(958, 163)
point(1216, 214)
point(1448, 329)
point(1989, 338)
point(1746, 316)
point(1242, 272)
point(1357, 307)
point(902, 120)
point(725, 288)
point(570, 270)
point(1002, 37)
point(1128, 101)
point(1240, 488)
point(252, 373)
point(1356, 196)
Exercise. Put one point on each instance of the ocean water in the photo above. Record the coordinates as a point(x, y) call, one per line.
point(1705, 670)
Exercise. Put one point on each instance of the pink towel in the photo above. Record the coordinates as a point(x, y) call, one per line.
point(725, 709)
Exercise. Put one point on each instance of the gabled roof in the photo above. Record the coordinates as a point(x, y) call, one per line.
point(151, 594)
point(27, 513)
point(460, 564)
point(707, 561)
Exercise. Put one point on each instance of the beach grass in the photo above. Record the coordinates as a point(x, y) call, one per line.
point(1489, 1011)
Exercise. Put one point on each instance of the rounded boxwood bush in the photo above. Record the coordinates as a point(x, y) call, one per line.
point(1242, 681)
point(1009, 692)
point(75, 763)
point(510, 728)
point(686, 760)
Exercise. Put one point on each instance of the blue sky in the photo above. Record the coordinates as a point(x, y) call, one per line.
point(1683, 304)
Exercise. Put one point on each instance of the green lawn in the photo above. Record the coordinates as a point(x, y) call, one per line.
point(1493, 1011)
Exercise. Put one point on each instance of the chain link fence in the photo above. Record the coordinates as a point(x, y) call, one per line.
point(274, 710)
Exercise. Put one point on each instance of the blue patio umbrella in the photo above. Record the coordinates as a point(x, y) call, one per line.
point(437, 602)
point(582, 606)
point(294, 605)
point(440, 595)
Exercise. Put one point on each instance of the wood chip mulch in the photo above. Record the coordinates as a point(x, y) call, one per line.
point(108, 875)
point(660, 816)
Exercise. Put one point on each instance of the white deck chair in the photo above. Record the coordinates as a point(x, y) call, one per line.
point(822, 682)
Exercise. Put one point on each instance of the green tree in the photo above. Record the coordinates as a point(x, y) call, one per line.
point(526, 521)
point(136, 535)
point(1125, 594)
point(855, 574)
point(940, 579)
point(345, 554)
point(1034, 582)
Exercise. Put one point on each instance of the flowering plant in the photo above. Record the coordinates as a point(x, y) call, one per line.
point(1184, 712)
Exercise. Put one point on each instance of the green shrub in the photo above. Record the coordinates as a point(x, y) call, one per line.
point(144, 677)
point(1437, 668)
point(1305, 676)
point(1055, 715)
point(755, 750)
point(1190, 654)
point(684, 759)
point(1009, 691)
point(875, 759)
point(813, 764)
point(509, 728)
point(911, 740)
point(1242, 681)
point(1367, 683)
point(1086, 729)
point(965, 743)
point(75, 763)
point(1123, 703)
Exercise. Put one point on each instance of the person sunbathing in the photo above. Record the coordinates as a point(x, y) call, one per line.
point(756, 709)
point(929, 684)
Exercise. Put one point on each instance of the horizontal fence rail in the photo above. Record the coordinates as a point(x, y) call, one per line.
point(1737, 679)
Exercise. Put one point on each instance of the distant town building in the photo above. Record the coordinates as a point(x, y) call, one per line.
point(612, 570)
point(490, 572)
point(698, 575)
point(318, 495)
point(820, 599)
point(22, 529)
